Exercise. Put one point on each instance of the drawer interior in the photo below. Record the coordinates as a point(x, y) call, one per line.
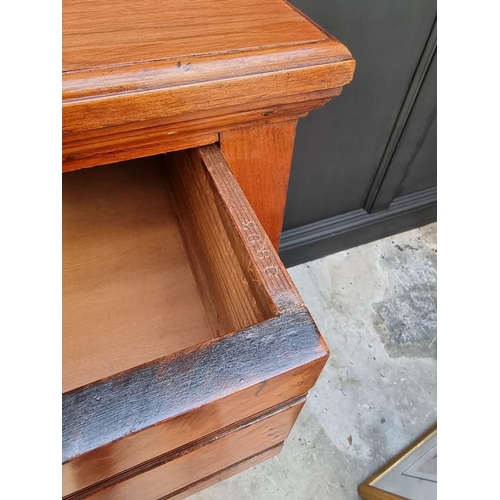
point(149, 267)
point(180, 323)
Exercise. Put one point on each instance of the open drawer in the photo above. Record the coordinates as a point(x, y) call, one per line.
point(186, 346)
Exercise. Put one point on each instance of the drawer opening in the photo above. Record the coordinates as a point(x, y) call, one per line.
point(150, 266)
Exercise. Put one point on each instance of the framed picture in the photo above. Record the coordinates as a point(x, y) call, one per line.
point(412, 475)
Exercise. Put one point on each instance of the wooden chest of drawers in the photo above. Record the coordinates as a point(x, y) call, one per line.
point(187, 351)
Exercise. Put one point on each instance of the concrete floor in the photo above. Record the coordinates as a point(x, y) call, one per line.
point(376, 307)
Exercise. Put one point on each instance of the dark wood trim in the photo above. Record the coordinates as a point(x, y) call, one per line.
point(373, 202)
point(110, 409)
point(119, 424)
point(174, 434)
point(335, 234)
point(188, 448)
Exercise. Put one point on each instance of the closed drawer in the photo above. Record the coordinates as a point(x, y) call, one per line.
point(179, 321)
point(176, 473)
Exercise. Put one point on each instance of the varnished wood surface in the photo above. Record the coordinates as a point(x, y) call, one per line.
point(134, 64)
point(264, 269)
point(110, 461)
point(91, 148)
point(228, 296)
point(199, 462)
point(128, 293)
point(145, 30)
point(125, 45)
point(201, 97)
point(107, 410)
point(104, 411)
point(260, 158)
point(146, 77)
point(226, 473)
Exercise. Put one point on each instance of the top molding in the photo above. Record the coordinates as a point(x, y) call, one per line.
point(132, 61)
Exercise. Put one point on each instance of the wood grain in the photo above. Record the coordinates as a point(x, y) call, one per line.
point(205, 97)
point(228, 296)
point(157, 416)
point(129, 296)
point(255, 252)
point(90, 148)
point(114, 459)
point(226, 473)
point(144, 30)
point(199, 462)
point(260, 158)
point(108, 410)
point(134, 64)
point(149, 44)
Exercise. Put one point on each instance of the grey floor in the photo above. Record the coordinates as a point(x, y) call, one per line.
point(376, 307)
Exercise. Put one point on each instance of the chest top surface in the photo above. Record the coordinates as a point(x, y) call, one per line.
point(136, 68)
point(99, 34)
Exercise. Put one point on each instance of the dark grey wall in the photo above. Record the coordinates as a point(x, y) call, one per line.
point(376, 141)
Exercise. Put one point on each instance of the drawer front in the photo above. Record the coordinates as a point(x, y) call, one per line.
point(226, 473)
point(125, 454)
point(252, 348)
point(200, 462)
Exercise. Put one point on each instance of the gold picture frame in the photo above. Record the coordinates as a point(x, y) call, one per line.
point(414, 470)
